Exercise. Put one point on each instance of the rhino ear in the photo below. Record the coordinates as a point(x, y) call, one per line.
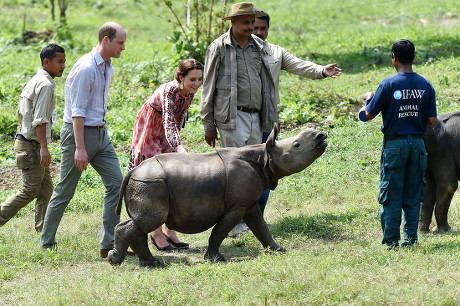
point(273, 135)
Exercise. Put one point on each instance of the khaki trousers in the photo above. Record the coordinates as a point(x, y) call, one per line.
point(248, 131)
point(36, 184)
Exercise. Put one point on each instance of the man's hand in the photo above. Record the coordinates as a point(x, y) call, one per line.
point(211, 137)
point(363, 114)
point(45, 157)
point(332, 70)
point(81, 159)
point(368, 95)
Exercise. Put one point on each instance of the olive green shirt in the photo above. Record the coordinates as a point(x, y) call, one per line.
point(249, 66)
point(36, 105)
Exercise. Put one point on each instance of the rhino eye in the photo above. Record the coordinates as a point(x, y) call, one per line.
point(296, 144)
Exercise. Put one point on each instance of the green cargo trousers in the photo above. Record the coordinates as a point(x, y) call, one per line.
point(402, 169)
point(36, 184)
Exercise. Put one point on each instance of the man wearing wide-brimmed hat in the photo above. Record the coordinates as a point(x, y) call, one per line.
point(238, 90)
point(238, 95)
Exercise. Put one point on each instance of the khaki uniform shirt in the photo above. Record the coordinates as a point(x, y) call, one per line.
point(220, 95)
point(249, 65)
point(36, 105)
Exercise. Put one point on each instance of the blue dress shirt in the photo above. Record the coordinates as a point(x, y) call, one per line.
point(86, 89)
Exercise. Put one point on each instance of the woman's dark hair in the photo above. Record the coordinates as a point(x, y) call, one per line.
point(186, 66)
point(50, 51)
point(404, 50)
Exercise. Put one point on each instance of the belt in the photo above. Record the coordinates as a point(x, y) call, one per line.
point(21, 137)
point(247, 110)
point(398, 137)
point(99, 127)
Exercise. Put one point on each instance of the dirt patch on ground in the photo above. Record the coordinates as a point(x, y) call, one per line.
point(449, 19)
point(10, 177)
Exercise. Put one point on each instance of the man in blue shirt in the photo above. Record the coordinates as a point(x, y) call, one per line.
point(407, 102)
point(84, 136)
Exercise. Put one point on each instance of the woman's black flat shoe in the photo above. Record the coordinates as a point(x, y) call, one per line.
point(176, 245)
point(164, 249)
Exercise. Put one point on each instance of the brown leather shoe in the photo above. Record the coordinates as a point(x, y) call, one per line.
point(105, 252)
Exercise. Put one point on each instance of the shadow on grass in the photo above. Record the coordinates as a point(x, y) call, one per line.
point(445, 241)
point(238, 251)
point(164, 261)
point(442, 246)
point(325, 226)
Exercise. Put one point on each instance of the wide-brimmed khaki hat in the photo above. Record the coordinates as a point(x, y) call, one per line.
point(243, 8)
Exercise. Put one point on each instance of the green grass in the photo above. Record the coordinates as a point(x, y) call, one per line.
point(326, 216)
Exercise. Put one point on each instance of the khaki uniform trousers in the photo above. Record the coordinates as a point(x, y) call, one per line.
point(248, 131)
point(36, 184)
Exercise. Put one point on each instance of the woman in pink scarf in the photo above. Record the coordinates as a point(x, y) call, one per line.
point(157, 130)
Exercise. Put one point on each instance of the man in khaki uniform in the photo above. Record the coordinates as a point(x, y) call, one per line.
point(238, 97)
point(238, 90)
point(36, 106)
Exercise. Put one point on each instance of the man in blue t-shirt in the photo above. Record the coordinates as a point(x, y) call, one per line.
point(407, 102)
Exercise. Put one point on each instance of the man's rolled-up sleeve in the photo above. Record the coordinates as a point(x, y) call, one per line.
point(43, 99)
point(80, 89)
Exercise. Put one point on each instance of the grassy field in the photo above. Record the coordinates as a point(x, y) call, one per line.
point(326, 216)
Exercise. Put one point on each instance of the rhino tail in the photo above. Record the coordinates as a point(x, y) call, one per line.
point(122, 192)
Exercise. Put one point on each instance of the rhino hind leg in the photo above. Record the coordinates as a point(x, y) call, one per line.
point(427, 206)
point(442, 224)
point(256, 223)
point(444, 195)
point(118, 254)
point(128, 234)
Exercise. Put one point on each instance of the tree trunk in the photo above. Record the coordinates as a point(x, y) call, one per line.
point(210, 18)
point(62, 8)
point(224, 6)
point(52, 9)
point(197, 40)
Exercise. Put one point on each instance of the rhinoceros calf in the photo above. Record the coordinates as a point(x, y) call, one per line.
point(443, 172)
point(194, 192)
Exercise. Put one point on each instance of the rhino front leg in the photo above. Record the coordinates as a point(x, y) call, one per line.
point(218, 234)
point(256, 223)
